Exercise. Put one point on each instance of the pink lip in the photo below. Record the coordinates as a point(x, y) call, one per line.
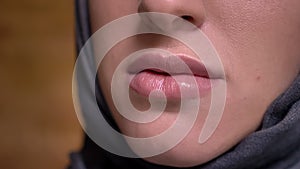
point(149, 73)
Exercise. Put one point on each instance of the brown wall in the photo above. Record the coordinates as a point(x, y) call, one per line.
point(38, 125)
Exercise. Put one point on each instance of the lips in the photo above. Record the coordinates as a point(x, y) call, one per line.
point(176, 76)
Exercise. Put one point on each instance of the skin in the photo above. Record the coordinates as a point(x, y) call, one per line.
point(258, 42)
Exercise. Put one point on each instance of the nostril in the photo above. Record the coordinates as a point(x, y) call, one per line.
point(188, 18)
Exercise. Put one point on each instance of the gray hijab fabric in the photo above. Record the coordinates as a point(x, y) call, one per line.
point(275, 145)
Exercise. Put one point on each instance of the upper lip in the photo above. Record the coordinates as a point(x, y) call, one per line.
point(172, 64)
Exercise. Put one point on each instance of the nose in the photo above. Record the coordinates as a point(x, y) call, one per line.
point(190, 10)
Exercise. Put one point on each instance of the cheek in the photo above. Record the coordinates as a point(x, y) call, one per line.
point(105, 11)
point(258, 42)
point(111, 61)
point(259, 46)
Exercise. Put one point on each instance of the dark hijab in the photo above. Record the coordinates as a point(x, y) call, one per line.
point(275, 145)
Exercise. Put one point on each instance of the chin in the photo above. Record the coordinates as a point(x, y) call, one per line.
point(188, 153)
point(183, 156)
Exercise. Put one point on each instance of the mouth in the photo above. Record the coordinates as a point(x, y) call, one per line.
point(177, 76)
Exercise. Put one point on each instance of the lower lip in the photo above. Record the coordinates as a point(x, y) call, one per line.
point(147, 81)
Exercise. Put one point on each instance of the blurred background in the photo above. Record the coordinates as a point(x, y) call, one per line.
point(38, 124)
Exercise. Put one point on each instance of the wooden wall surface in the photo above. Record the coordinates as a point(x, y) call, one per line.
point(38, 124)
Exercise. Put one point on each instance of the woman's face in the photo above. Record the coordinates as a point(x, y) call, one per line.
point(258, 43)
